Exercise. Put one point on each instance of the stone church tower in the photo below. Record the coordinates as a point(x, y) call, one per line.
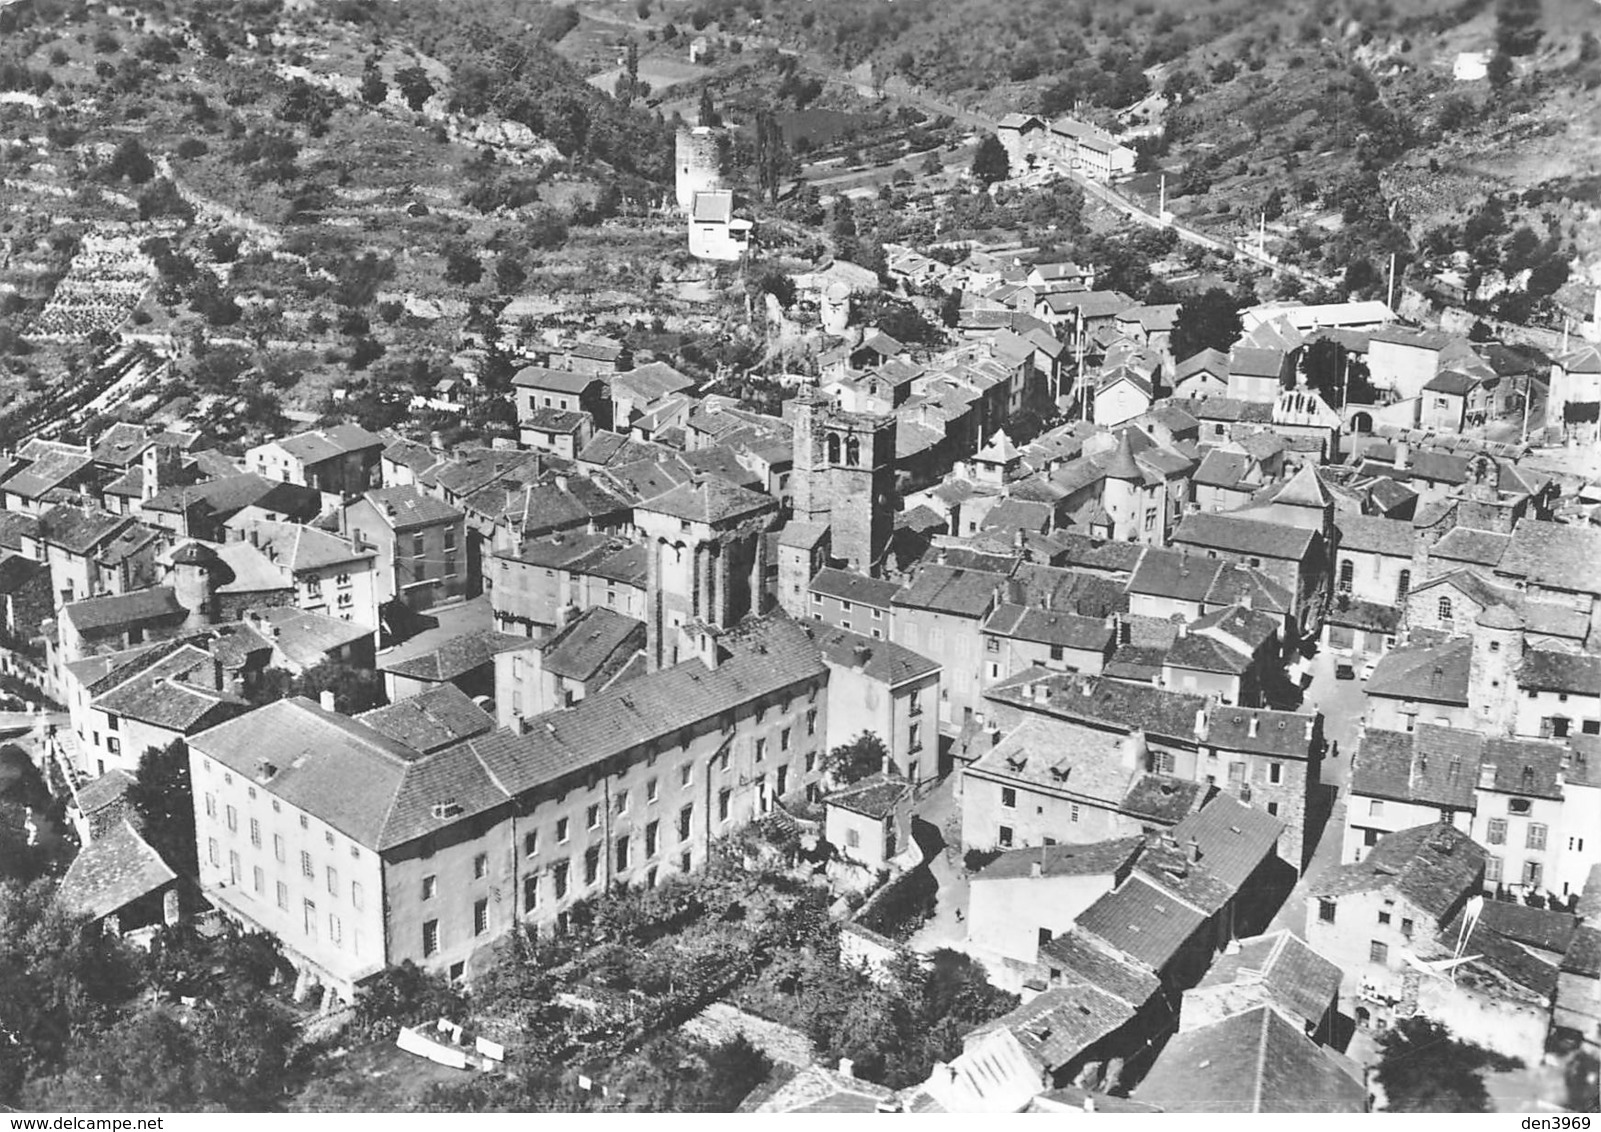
point(844, 478)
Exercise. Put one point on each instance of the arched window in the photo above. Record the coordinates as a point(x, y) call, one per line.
point(853, 452)
point(1403, 586)
point(1347, 571)
point(833, 449)
point(1445, 609)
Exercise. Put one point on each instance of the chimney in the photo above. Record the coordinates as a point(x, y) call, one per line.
point(1089, 1102)
point(1253, 726)
point(1086, 687)
point(561, 483)
point(436, 440)
point(1403, 454)
point(1201, 724)
point(1194, 851)
point(1487, 776)
point(1037, 868)
point(860, 655)
point(1183, 629)
point(847, 1067)
point(995, 737)
point(327, 699)
point(255, 537)
point(1246, 601)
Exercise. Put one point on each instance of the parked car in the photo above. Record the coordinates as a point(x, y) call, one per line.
point(1367, 669)
point(1344, 670)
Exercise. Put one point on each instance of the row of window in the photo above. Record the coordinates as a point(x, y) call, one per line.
point(1495, 834)
point(258, 885)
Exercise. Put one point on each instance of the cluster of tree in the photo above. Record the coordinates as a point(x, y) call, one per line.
point(355, 689)
point(894, 1032)
point(231, 1051)
point(493, 69)
point(1207, 321)
point(1424, 1068)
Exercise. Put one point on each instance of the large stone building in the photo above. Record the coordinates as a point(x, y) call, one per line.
point(360, 843)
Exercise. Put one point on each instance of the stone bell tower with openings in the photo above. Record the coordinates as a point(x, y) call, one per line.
point(844, 478)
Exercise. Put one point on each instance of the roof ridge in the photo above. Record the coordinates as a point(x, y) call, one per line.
point(1261, 1060)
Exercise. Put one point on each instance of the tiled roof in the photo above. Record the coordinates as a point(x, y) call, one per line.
point(1354, 613)
point(1161, 798)
point(1222, 468)
point(406, 507)
point(1262, 731)
point(119, 611)
point(1123, 704)
point(555, 380)
point(1530, 767)
point(374, 790)
point(1552, 671)
point(1478, 548)
point(846, 585)
point(1143, 921)
point(1244, 536)
point(1583, 956)
point(650, 382)
point(307, 638)
point(556, 420)
point(1433, 766)
point(765, 656)
point(1058, 1024)
point(1233, 838)
point(324, 444)
point(946, 589)
point(1374, 534)
point(175, 694)
point(820, 1090)
point(882, 661)
point(106, 790)
point(1049, 627)
point(1200, 653)
point(1250, 362)
point(583, 647)
point(709, 499)
point(1109, 857)
point(1257, 1061)
point(435, 657)
point(1433, 866)
point(79, 531)
point(1544, 928)
point(430, 720)
point(1438, 674)
point(112, 871)
point(1288, 973)
point(1509, 960)
point(876, 796)
point(232, 494)
point(1064, 757)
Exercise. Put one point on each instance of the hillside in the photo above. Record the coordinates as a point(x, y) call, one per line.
point(325, 195)
point(1297, 110)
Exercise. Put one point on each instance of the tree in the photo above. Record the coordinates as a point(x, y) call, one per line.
point(1517, 26)
point(58, 979)
point(990, 163)
point(1425, 1069)
point(510, 274)
point(950, 307)
point(628, 81)
point(131, 162)
point(163, 798)
point(861, 757)
point(373, 89)
point(769, 156)
point(462, 266)
point(708, 115)
point(1273, 207)
point(1211, 320)
point(414, 86)
point(1499, 70)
